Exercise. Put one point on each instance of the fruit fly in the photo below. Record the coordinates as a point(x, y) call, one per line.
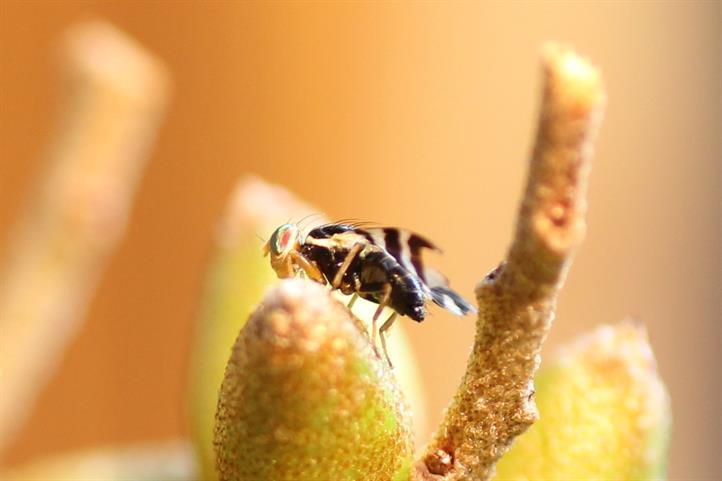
point(382, 265)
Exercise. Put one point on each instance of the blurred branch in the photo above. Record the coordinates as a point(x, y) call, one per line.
point(495, 401)
point(167, 461)
point(114, 93)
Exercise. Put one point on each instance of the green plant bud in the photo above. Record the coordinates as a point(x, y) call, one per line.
point(305, 397)
point(605, 414)
point(238, 275)
point(237, 278)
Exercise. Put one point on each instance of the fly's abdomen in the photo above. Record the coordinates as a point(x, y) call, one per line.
point(407, 296)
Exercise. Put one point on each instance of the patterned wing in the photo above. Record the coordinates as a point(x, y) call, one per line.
point(403, 245)
point(406, 247)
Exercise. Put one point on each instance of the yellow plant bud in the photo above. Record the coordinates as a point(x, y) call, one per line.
point(238, 276)
point(305, 397)
point(605, 414)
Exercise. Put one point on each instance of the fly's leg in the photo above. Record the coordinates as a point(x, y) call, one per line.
point(352, 301)
point(379, 310)
point(307, 266)
point(384, 300)
point(385, 327)
point(346, 264)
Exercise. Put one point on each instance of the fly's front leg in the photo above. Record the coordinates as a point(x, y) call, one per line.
point(307, 266)
point(345, 265)
point(385, 327)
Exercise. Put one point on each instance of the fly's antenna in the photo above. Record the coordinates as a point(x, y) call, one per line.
point(355, 222)
point(266, 248)
point(309, 217)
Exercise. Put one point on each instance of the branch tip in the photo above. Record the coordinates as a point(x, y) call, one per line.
point(495, 402)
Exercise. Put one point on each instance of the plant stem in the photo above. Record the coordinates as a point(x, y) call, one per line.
point(495, 402)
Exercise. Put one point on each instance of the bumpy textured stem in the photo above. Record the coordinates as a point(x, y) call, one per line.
point(495, 401)
point(115, 92)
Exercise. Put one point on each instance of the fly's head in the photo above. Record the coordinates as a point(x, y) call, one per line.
point(284, 240)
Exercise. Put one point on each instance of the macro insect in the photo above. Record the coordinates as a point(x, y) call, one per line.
point(382, 265)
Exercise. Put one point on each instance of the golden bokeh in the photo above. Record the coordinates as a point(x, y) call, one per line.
point(415, 114)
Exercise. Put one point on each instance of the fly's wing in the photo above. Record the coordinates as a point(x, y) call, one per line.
point(444, 296)
point(402, 245)
point(406, 247)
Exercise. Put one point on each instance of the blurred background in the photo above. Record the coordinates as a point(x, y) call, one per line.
point(417, 115)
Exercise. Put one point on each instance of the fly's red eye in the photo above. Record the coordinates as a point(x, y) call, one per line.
point(285, 237)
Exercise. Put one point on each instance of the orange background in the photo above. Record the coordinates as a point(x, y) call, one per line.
point(418, 115)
